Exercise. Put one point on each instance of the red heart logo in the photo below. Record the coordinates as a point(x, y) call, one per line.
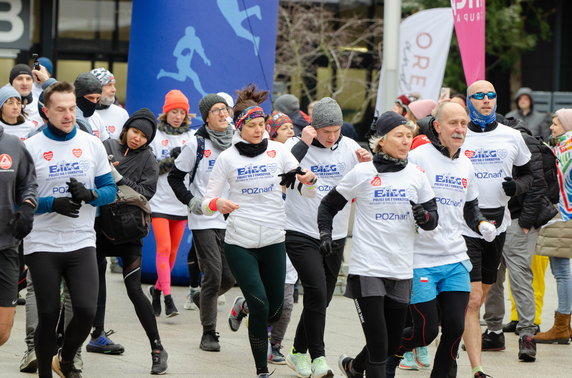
point(271, 153)
point(165, 142)
point(77, 152)
point(464, 182)
point(376, 181)
point(5, 161)
point(469, 153)
point(111, 129)
point(48, 155)
point(207, 153)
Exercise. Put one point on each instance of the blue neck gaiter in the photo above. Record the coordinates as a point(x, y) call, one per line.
point(479, 119)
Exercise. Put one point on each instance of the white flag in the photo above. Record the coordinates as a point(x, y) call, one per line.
point(424, 40)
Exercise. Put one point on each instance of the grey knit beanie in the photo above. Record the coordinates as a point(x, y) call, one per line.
point(207, 103)
point(86, 83)
point(326, 113)
point(7, 92)
point(287, 104)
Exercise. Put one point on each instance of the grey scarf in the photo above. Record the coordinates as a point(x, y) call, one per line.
point(221, 139)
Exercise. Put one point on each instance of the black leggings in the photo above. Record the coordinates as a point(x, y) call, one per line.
point(79, 269)
point(318, 275)
point(260, 273)
point(382, 320)
point(193, 266)
point(425, 328)
point(132, 280)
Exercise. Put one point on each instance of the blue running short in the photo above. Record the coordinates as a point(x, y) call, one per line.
point(429, 282)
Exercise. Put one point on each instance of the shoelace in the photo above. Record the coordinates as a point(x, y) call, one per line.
point(109, 333)
point(156, 357)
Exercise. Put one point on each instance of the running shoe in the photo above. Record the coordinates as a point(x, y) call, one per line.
point(65, 369)
point(276, 357)
point(320, 368)
point(103, 344)
point(422, 357)
point(237, 313)
point(189, 304)
point(170, 308)
point(155, 300)
point(345, 365)
point(408, 362)
point(196, 298)
point(526, 348)
point(159, 358)
point(29, 363)
point(209, 342)
point(221, 301)
point(492, 341)
point(299, 362)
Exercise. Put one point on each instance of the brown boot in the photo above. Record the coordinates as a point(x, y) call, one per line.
point(559, 333)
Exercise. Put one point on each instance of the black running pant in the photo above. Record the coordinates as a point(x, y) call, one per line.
point(79, 270)
point(193, 266)
point(425, 315)
point(132, 280)
point(318, 275)
point(382, 320)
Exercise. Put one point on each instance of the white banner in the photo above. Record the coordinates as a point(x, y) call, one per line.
point(424, 40)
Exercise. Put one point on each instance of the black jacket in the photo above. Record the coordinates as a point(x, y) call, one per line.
point(532, 209)
point(139, 167)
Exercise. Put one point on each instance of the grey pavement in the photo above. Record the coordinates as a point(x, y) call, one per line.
point(181, 336)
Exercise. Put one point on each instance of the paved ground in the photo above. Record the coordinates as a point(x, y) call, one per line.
point(181, 336)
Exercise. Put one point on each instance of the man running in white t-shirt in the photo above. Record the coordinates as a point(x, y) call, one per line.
point(113, 116)
point(493, 149)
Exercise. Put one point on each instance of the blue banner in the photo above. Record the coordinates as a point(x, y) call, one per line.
point(199, 47)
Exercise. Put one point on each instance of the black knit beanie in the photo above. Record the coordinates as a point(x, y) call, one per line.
point(20, 69)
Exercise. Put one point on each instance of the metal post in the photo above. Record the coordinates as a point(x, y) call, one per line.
point(390, 83)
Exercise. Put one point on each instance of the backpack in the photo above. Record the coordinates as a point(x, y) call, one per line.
point(550, 172)
point(198, 157)
point(128, 218)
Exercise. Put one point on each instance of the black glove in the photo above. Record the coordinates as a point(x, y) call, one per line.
point(23, 221)
point(326, 244)
point(79, 192)
point(289, 178)
point(65, 206)
point(175, 152)
point(420, 215)
point(509, 186)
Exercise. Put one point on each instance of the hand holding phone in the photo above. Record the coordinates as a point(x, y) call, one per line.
point(36, 62)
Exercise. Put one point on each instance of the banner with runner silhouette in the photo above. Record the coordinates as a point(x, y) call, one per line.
point(199, 47)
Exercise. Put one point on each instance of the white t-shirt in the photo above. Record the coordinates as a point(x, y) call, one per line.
point(84, 158)
point(164, 201)
point(329, 166)
point(98, 126)
point(21, 131)
point(32, 113)
point(113, 118)
point(186, 162)
point(254, 183)
point(493, 155)
point(384, 227)
point(453, 181)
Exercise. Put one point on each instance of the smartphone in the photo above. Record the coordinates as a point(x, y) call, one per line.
point(445, 93)
point(36, 62)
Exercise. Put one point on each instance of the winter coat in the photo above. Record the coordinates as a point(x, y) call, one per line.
point(538, 123)
point(555, 239)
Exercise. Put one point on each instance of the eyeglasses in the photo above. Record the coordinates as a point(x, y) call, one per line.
point(220, 110)
point(481, 95)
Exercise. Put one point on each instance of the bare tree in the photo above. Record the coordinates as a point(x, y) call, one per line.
point(312, 36)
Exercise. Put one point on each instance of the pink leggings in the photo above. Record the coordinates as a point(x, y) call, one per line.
point(168, 235)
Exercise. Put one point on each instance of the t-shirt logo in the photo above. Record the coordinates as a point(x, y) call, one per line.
point(464, 182)
point(469, 153)
point(48, 155)
point(5, 161)
point(271, 153)
point(111, 129)
point(165, 142)
point(96, 133)
point(77, 152)
point(376, 181)
point(207, 153)
point(421, 169)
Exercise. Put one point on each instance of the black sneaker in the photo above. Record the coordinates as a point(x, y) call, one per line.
point(103, 344)
point(510, 327)
point(155, 300)
point(344, 363)
point(492, 342)
point(159, 358)
point(65, 369)
point(209, 342)
point(170, 308)
point(526, 348)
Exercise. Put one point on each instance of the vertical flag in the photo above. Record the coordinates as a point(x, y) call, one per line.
point(469, 17)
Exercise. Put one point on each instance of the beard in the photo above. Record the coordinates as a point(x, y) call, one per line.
point(107, 100)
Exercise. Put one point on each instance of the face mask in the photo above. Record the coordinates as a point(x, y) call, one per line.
point(87, 107)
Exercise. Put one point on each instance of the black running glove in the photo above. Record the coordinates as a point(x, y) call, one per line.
point(420, 215)
point(65, 206)
point(23, 221)
point(509, 186)
point(289, 178)
point(326, 248)
point(175, 152)
point(79, 192)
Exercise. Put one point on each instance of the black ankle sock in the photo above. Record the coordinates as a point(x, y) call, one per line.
point(261, 370)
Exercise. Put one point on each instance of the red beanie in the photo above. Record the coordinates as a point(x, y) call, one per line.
point(175, 99)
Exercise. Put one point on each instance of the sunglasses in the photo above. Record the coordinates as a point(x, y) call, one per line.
point(481, 95)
